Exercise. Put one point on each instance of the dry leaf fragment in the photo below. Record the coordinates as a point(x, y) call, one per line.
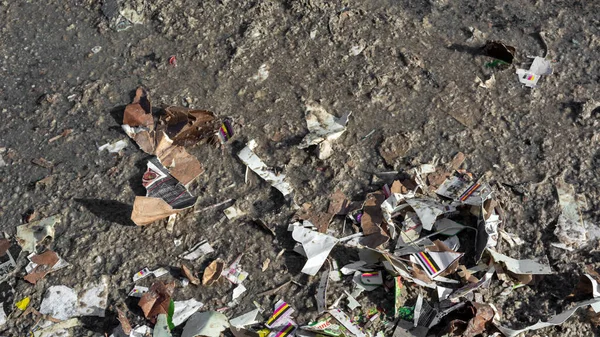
point(212, 272)
point(188, 274)
point(42, 163)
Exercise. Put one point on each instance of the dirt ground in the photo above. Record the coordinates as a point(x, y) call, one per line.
point(405, 71)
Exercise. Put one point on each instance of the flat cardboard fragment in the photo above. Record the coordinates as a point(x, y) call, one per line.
point(316, 245)
point(147, 210)
point(157, 300)
point(259, 167)
point(212, 272)
point(37, 232)
point(208, 323)
point(187, 126)
point(181, 165)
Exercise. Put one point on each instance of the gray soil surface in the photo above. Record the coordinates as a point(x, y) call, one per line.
point(404, 69)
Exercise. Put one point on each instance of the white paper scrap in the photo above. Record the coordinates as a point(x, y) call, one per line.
point(353, 267)
point(141, 274)
point(466, 192)
point(539, 67)
point(138, 291)
point(259, 167)
point(198, 250)
point(57, 329)
point(246, 319)
point(114, 147)
point(161, 328)
point(317, 247)
point(322, 126)
point(141, 331)
point(434, 263)
point(2, 314)
point(524, 266)
point(321, 295)
point(207, 323)
point(238, 291)
point(554, 320)
point(233, 212)
point(352, 302)
point(185, 309)
point(443, 293)
point(347, 322)
point(160, 272)
point(428, 210)
point(93, 299)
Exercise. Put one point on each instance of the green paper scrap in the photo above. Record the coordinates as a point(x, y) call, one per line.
point(398, 286)
point(170, 315)
point(495, 64)
point(407, 313)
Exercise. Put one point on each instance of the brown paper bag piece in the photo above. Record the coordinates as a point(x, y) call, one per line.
point(483, 316)
point(212, 272)
point(397, 187)
point(188, 274)
point(125, 325)
point(45, 262)
point(146, 210)
point(372, 214)
point(4, 245)
point(156, 301)
point(145, 140)
point(182, 165)
point(139, 112)
point(186, 126)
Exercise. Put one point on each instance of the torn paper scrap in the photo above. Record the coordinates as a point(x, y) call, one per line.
point(323, 128)
point(208, 323)
point(36, 232)
point(234, 272)
point(238, 291)
point(246, 319)
point(487, 228)
point(467, 192)
point(372, 278)
point(281, 314)
point(539, 67)
point(62, 302)
point(138, 291)
point(352, 302)
point(427, 210)
point(259, 167)
point(7, 266)
point(157, 300)
point(554, 320)
point(57, 329)
point(570, 229)
point(161, 328)
point(114, 147)
point(317, 247)
point(434, 263)
point(321, 295)
point(92, 300)
point(341, 317)
point(141, 331)
point(200, 249)
point(42, 264)
point(185, 309)
point(233, 212)
point(141, 274)
point(524, 266)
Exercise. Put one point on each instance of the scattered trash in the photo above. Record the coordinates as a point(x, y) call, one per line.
point(157, 300)
point(246, 319)
point(188, 274)
point(539, 67)
point(173, 61)
point(63, 303)
point(258, 166)
point(42, 264)
point(315, 245)
point(323, 128)
point(161, 328)
point(41, 232)
point(234, 273)
point(23, 304)
point(182, 310)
